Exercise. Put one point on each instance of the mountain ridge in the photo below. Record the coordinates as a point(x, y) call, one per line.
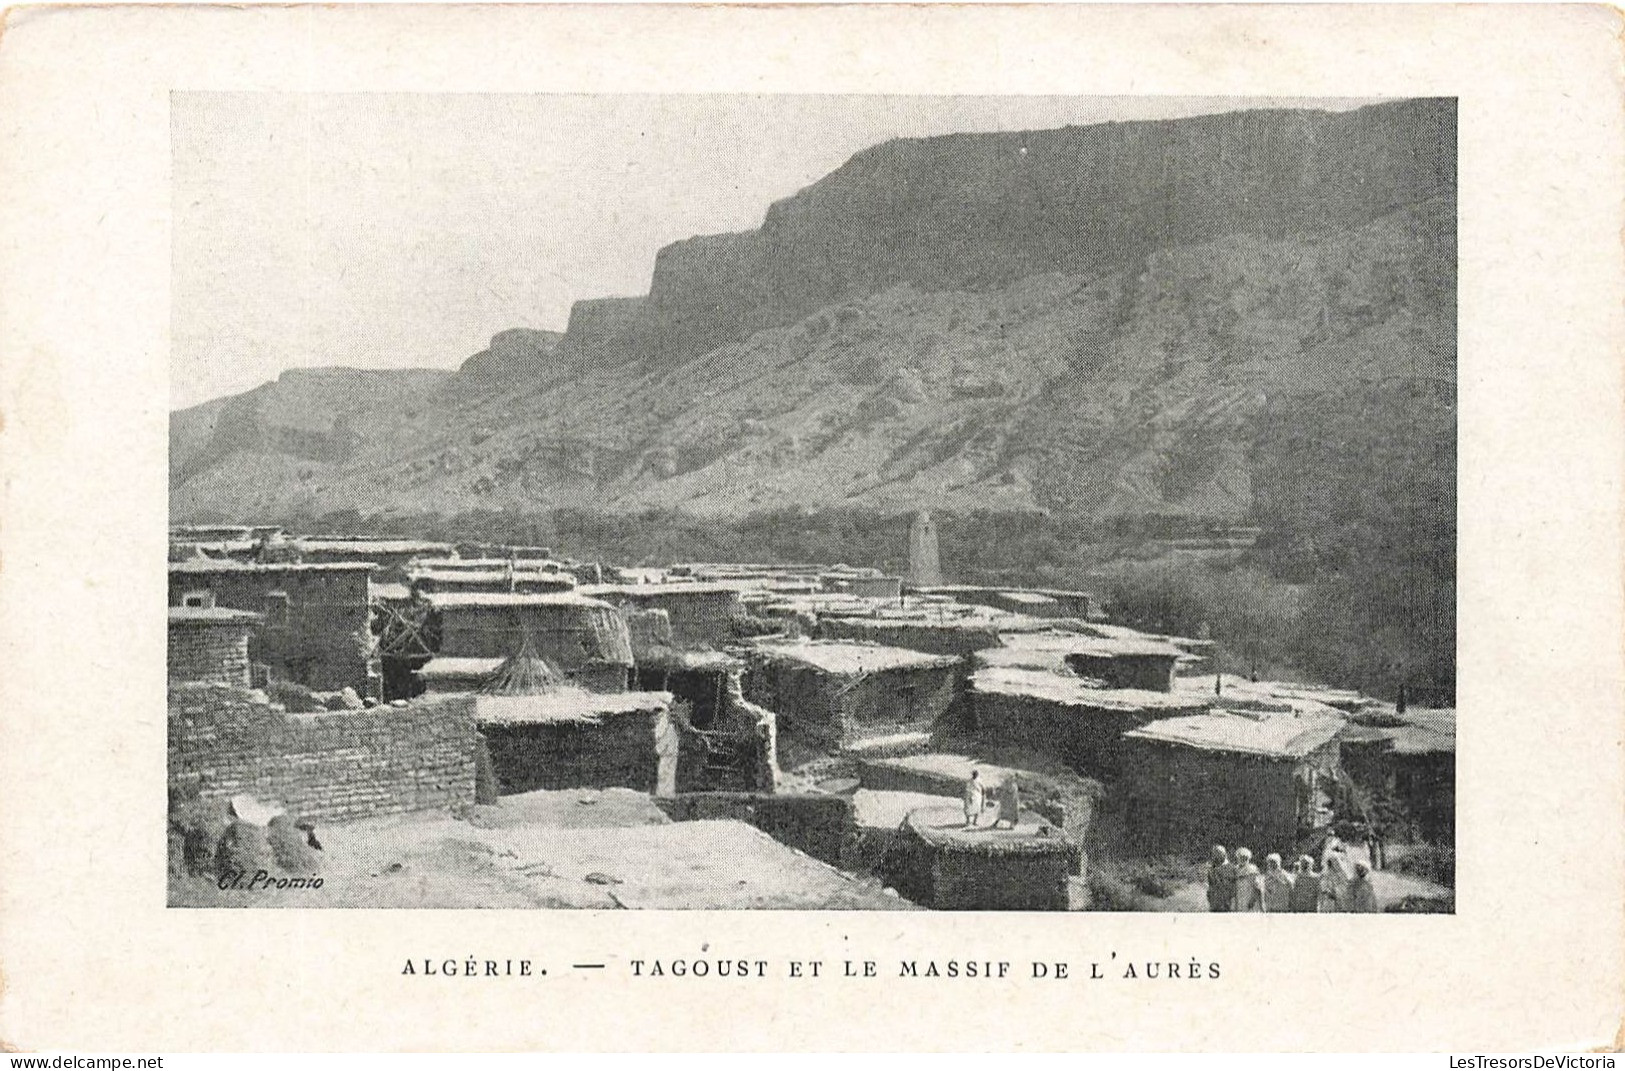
point(919, 329)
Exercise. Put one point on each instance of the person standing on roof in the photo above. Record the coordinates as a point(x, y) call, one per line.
point(1221, 881)
point(1009, 801)
point(974, 799)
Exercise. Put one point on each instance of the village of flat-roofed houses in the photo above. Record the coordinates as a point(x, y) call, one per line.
point(362, 721)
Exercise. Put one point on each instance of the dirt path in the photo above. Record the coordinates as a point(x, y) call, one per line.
point(582, 849)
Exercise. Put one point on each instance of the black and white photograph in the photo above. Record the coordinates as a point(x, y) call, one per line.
point(532, 529)
point(812, 502)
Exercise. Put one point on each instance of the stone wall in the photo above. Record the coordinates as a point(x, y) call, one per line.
point(209, 651)
point(330, 765)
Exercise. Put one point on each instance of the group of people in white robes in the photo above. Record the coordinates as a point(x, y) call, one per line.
point(1338, 886)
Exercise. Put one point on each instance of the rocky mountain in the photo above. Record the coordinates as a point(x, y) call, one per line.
point(1114, 319)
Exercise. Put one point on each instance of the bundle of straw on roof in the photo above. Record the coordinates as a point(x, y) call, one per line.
point(523, 673)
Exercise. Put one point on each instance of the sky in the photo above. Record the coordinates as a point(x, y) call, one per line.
point(404, 230)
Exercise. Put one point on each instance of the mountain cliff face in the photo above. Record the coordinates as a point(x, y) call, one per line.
point(514, 355)
point(1118, 319)
point(983, 211)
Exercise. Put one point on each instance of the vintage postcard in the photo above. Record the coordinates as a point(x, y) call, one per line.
point(925, 527)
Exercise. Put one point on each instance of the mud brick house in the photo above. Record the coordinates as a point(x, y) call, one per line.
point(457, 674)
point(699, 678)
point(701, 614)
point(572, 738)
point(315, 628)
point(1248, 778)
point(728, 743)
point(939, 628)
point(934, 860)
point(210, 644)
point(1410, 759)
point(830, 694)
point(584, 639)
point(526, 576)
point(498, 579)
point(1143, 664)
point(388, 557)
point(1061, 715)
point(209, 533)
point(864, 585)
point(1039, 602)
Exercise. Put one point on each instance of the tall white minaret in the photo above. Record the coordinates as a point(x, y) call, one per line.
point(924, 569)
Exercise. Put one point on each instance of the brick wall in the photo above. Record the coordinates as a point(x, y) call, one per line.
point(331, 765)
point(216, 652)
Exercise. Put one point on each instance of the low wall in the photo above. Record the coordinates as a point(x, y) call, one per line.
point(814, 823)
point(618, 751)
point(950, 879)
point(330, 765)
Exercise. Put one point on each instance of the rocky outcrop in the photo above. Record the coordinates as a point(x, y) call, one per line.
point(520, 353)
point(607, 329)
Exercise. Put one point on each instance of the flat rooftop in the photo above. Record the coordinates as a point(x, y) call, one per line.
point(565, 706)
point(490, 576)
point(946, 617)
point(1017, 648)
point(546, 850)
point(211, 615)
point(1419, 731)
point(1074, 691)
point(1265, 734)
point(662, 589)
point(376, 546)
point(443, 667)
point(849, 659)
point(204, 566)
point(989, 589)
point(468, 600)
